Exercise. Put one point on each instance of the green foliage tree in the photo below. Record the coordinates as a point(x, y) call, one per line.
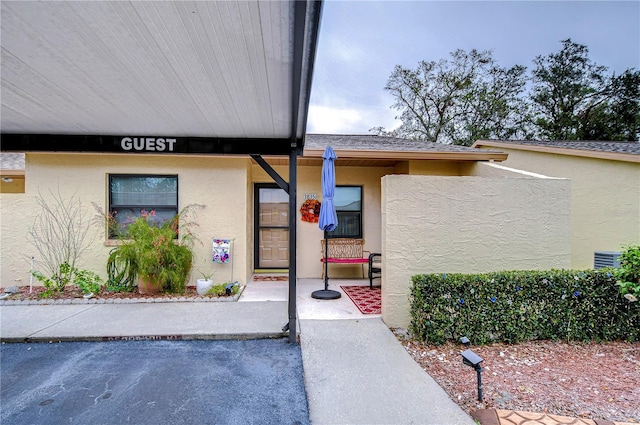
point(469, 97)
point(575, 99)
point(459, 100)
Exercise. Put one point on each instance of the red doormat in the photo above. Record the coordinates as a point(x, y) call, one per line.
point(368, 300)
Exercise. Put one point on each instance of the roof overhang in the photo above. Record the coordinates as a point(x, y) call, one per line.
point(411, 155)
point(218, 77)
point(558, 150)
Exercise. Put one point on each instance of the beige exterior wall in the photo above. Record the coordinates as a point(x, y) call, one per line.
point(429, 168)
point(213, 182)
point(442, 224)
point(223, 185)
point(11, 182)
point(605, 200)
point(435, 168)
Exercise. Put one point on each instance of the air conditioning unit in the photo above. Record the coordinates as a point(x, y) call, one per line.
point(606, 259)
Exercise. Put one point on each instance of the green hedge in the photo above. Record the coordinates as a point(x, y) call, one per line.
point(515, 306)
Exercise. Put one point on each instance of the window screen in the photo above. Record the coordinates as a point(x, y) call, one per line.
point(131, 195)
point(348, 202)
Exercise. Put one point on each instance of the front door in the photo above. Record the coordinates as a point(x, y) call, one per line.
point(272, 227)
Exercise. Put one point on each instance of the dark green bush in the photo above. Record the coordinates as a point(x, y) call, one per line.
point(628, 274)
point(515, 306)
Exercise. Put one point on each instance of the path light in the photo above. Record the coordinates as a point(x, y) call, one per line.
point(472, 359)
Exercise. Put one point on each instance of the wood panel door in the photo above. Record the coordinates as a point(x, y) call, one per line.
point(272, 227)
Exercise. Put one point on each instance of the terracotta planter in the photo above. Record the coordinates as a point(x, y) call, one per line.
point(147, 286)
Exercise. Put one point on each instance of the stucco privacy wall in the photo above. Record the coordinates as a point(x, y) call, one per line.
point(442, 224)
point(212, 182)
point(605, 200)
point(309, 234)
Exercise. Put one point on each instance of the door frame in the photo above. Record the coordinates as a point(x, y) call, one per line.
point(256, 223)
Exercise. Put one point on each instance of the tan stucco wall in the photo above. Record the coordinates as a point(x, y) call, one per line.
point(605, 200)
point(429, 168)
point(441, 224)
point(213, 182)
point(434, 168)
point(15, 184)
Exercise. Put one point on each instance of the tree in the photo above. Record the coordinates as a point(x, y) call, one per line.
point(575, 99)
point(458, 101)
point(468, 97)
point(618, 119)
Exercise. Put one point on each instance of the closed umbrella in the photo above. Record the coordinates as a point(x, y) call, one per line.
point(328, 219)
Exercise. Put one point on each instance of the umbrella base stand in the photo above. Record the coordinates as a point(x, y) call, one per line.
point(325, 294)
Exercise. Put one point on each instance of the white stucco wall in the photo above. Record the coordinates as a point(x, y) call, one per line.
point(442, 224)
point(605, 199)
point(212, 182)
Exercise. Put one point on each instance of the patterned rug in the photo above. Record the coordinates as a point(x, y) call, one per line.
point(366, 299)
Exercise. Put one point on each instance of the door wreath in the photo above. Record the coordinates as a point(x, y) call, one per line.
point(310, 210)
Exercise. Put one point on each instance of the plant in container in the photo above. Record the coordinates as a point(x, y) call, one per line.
point(153, 253)
point(205, 283)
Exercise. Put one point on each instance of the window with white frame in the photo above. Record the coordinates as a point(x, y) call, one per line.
point(134, 195)
point(348, 203)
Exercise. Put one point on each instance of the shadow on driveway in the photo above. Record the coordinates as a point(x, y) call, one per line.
point(153, 382)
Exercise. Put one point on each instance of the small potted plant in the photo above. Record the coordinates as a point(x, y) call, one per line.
point(203, 285)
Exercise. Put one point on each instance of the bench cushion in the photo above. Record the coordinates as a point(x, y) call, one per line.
point(347, 260)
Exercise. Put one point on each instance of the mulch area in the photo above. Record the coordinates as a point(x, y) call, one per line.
point(71, 292)
point(584, 380)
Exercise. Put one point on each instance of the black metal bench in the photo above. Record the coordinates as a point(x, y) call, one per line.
point(375, 267)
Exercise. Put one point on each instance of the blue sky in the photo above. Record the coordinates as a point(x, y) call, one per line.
point(360, 42)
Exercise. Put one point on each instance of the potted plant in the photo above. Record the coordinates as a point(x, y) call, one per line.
point(152, 252)
point(203, 285)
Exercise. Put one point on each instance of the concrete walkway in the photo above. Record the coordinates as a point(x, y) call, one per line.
point(355, 370)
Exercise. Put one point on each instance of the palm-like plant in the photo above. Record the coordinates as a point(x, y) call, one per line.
point(153, 255)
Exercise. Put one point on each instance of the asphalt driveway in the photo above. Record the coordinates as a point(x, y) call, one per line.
point(153, 382)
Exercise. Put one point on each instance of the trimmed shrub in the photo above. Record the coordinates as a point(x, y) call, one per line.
point(628, 274)
point(515, 306)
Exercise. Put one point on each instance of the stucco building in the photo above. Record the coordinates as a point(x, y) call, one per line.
point(207, 103)
point(427, 207)
point(605, 188)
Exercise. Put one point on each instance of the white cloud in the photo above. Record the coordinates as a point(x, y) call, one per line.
point(328, 120)
point(333, 120)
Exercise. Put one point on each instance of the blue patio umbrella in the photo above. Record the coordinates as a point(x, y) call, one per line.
point(328, 219)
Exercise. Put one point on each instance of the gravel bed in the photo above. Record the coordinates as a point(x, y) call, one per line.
point(586, 380)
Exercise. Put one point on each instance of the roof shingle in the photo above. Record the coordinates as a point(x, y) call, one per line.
point(632, 148)
point(378, 143)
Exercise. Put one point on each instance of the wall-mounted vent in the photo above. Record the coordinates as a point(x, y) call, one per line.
point(606, 259)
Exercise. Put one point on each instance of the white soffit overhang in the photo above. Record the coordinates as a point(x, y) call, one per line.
point(223, 69)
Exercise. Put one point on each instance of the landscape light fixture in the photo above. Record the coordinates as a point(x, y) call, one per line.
point(470, 358)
